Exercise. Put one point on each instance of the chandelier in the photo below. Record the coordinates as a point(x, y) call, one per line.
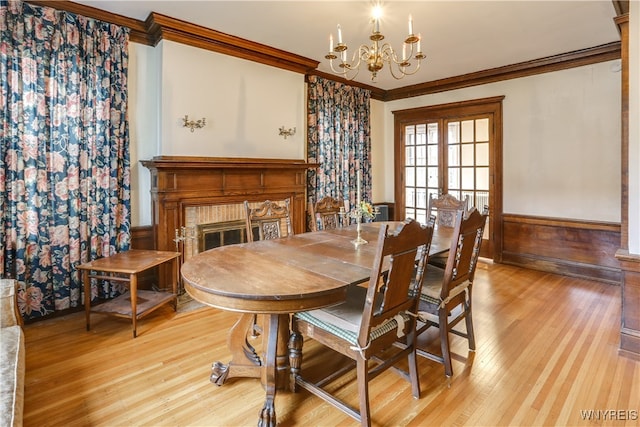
point(377, 54)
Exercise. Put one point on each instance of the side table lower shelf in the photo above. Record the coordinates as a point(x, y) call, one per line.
point(147, 302)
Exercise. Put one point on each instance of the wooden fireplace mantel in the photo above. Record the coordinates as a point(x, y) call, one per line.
point(179, 181)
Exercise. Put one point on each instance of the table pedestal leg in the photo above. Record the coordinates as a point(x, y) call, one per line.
point(276, 370)
point(245, 362)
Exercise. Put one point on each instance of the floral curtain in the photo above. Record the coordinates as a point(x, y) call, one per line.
point(338, 140)
point(64, 164)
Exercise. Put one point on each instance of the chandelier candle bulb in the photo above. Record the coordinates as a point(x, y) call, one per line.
point(331, 43)
point(339, 34)
point(410, 25)
point(419, 38)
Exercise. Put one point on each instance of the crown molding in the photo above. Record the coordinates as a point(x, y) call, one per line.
point(577, 58)
point(162, 27)
point(621, 6)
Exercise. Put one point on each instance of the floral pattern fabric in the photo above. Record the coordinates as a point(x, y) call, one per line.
point(339, 140)
point(64, 161)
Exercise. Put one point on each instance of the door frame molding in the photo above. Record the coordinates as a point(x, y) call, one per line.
point(482, 106)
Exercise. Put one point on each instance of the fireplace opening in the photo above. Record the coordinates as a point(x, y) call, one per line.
point(216, 234)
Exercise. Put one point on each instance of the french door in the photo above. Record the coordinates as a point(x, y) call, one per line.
point(449, 149)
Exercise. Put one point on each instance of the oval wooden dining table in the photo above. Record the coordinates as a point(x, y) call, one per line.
point(275, 278)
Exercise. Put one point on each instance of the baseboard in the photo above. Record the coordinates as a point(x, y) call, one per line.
point(560, 266)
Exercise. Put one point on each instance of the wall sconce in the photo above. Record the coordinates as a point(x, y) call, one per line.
point(287, 132)
point(193, 124)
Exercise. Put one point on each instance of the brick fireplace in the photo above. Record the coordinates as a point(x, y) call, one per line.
point(192, 191)
point(216, 225)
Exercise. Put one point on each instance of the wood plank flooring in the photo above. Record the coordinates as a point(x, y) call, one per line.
point(547, 354)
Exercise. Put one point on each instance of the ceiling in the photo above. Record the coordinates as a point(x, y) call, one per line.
point(458, 37)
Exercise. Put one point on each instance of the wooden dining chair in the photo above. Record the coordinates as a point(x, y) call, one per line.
point(446, 293)
point(444, 208)
point(325, 214)
point(268, 219)
point(366, 326)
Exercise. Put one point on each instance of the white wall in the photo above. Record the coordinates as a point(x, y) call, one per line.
point(561, 141)
point(144, 101)
point(244, 103)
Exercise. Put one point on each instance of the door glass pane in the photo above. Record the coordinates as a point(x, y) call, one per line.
point(482, 179)
point(410, 198)
point(421, 198)
point(454, 179)
point(454, 155)
point(421, 216)
point(482, 154)
point(433, 178)
point(409, 135)
point(471, 195)
point(454, 133)
point(432, 154)
point(410, 158)
point(467, 178)
point(467, 154)
point(421, 137)
point(482, 200)
point(432, 132)
point(410, 177)
point(421, 177)
point(467, 131)
point(421, 155)
point(482, 130)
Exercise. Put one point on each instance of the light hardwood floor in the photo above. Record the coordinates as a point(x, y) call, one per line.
point(547, 355)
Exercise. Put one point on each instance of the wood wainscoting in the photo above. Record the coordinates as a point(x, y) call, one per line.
point(630, 327)
point(570, 247)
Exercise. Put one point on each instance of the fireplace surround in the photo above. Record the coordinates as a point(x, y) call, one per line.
point(181, 184)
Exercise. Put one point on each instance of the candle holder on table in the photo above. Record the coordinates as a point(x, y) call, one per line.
point(363, 210)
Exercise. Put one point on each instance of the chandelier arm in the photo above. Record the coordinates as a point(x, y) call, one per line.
point(402, 73)
point(388, 54)
point(345, 70)
point(365, 52)
point(410, 73)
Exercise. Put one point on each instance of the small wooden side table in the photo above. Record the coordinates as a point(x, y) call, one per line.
point(124, 267)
